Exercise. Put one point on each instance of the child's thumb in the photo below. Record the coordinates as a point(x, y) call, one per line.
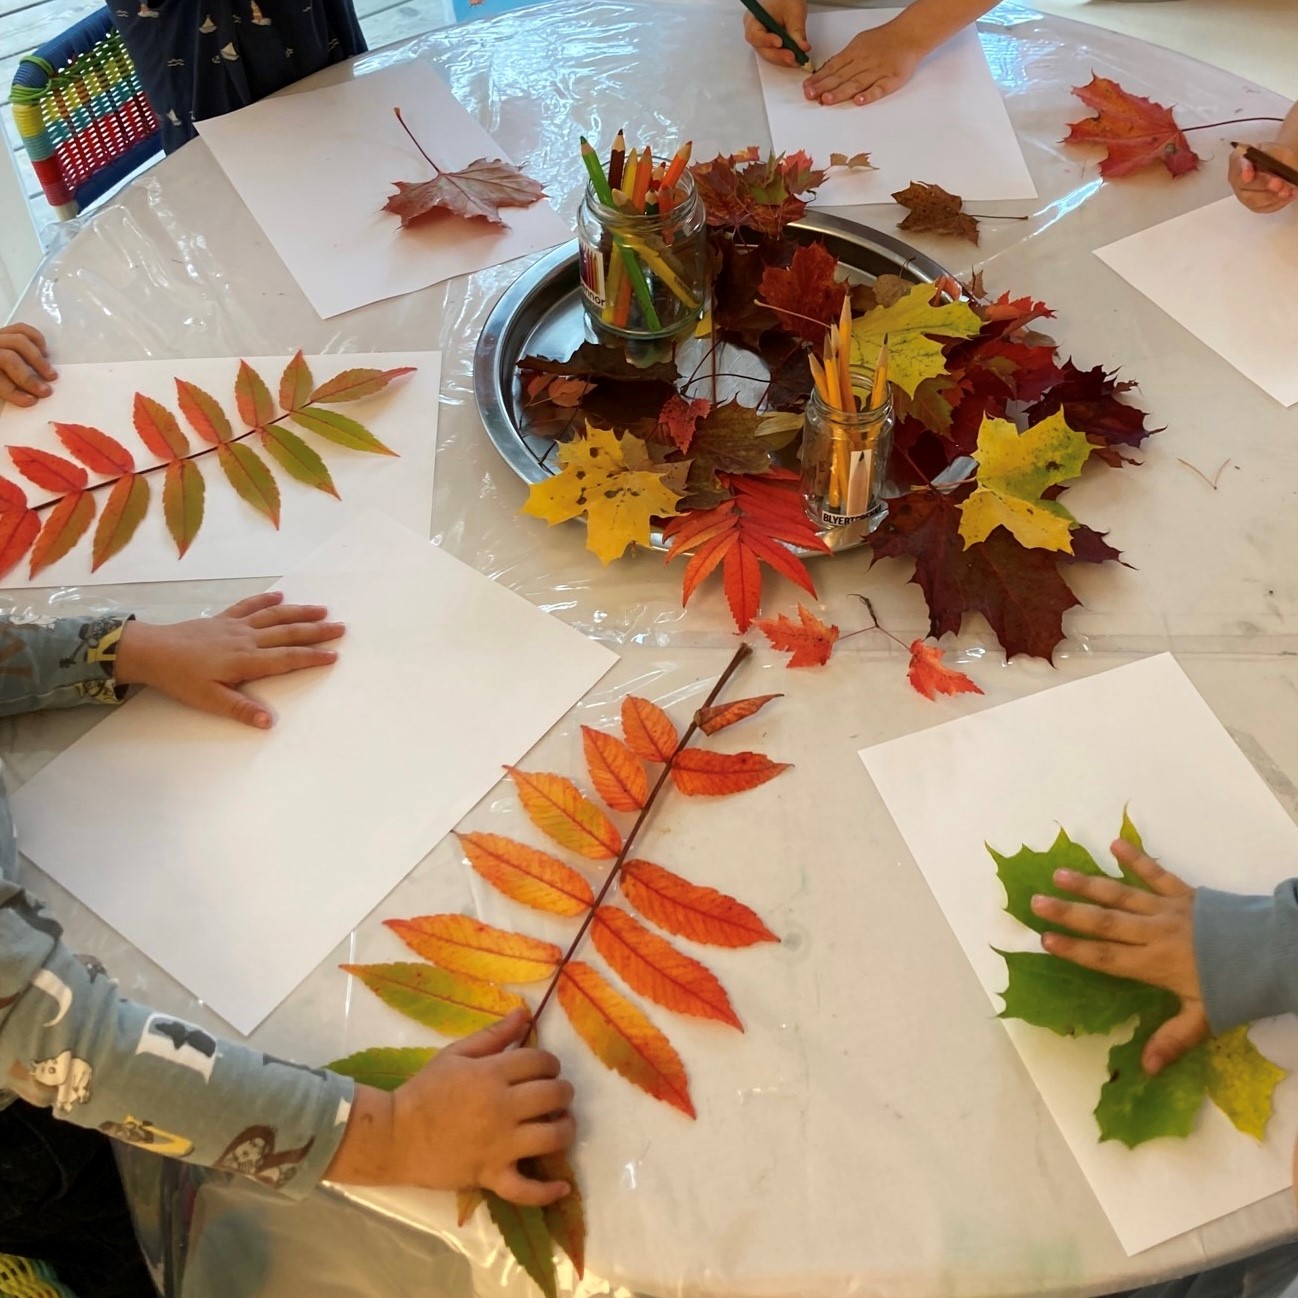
point(491, 1041)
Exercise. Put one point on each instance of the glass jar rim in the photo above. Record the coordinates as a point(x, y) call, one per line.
point(605, 212)
point(854, 419)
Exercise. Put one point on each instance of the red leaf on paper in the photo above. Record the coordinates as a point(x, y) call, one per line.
point(204, 413)
point(252, 397)
point(479, 190)
point(810, 643)
point(650, 965)
point(183, 495)
point(1137, 131)
point(557, 807)
point(352, 385)
point(615, 770)
point(528, 875)
point(96, 450)
point(701, 772)
point(250, 477)
point(158, 429)
point(52, 472)
point(700, 914)
point(18, 529)
point(650, 732)
point(124, 510)
point(295, 384)
point(65, 525)
point(12, 496)
point(806, 298)
point(721, 715)
point(466, 945)
point(931, 677)
point(678, 419)
point(622, 1037)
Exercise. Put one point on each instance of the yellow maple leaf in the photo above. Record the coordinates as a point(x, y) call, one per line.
point(913, 356)
point(1013, 470)
point(615, 484)
point(1241, 1080)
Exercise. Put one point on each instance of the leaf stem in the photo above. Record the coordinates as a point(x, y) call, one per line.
point(415, 142)
point(741, 654)
point(1234, 121)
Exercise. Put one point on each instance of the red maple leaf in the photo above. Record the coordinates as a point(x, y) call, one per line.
point(806, 297)
point(931, 677)
point(1091, 405)
point(1137, 131)
point(678, 419)
point(810, 641)
point(739, 190)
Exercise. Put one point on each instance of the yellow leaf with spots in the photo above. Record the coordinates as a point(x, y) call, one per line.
point(1241, 1080)
point(912, 328)
point(1013, 470)
point(612, 481)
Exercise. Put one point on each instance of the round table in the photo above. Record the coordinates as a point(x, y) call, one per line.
point(873, 1131)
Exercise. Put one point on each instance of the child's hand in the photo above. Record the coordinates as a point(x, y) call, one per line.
point(25, 370)
point(203, 662)
point(1258, 190)
point(792, 16)
point(1148, 936)
point(464, 1120)
point(871, 65)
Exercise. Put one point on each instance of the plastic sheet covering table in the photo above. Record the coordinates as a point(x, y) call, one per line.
point(873, 1132)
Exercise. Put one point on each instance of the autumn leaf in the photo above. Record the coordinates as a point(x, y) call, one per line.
point(452, 1004)
point(528, 1238)
point(157, 428)
point(354, 384)
point(1091, 403)
point(203, 412)
point(384, 1067)
point(701, 772)
point(1136, 131)
point(615, 771)
point(124, 511)
point(528, 875)
point(566, 1219)
point(806, 298)
point(809, 640)
point(728, 440)
point(296, 384)
point(1014, 469)
point(462, 944)
point(741, 190)
point(340, 429)
point(912, 327)
point(622, 1037)
point(678, 419)
point(854, 163)
point(64, 526)
point(12, 496)
point(933, 211)
point(700, 914)
point(467, 1202)
point(297, 459)
point(95, 449)
point(599, 364)
point(183, 495)
point(650, 732)
point(720, 715)
point(252, 397)
point(1242, 1080)
point(930, 677)
point(18, 529)
point(47, 470)
point(248, 475)
point(558, 808)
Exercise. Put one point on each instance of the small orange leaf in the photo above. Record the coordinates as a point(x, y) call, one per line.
point(18, 529)
point(557, 807)
point(465, 945)
point(931, 677)
point(810, 644)
point(250, 477)
point(52, 472)
point(295, 387)
point(468, 1201)
point(96, 450)
point(12, 496)
point(124, 510)
point(649, 731)
point(352, 385)
point(252, 397)
point(183, 494)
point(65, 525)
point(452, 1004)
point(567, 1218)
point(204, 413)
point(158, 429)
point(700, 914)
point(615, 770)
point(622, 1037)
point(701, 771)
point(721, 715)
point(650, 965)
point(528, 875)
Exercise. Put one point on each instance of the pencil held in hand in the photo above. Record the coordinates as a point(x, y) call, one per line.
point(770, 38)
point(1264, 179)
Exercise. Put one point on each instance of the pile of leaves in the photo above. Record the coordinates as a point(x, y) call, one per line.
point(992, 425)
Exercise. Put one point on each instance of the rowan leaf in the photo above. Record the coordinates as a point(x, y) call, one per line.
point(252, 397)
point(384, 1067)
point(622, 1037)
point(720, 715)
point(931, 210)
point(124, 511)
point(478, 190)
point(18, 529)
point(64, 526)
point(249, 476)
point(158, 429)
point(47, 470)
point(297, 459)
point(12, 496)
point(183, 494)
point(527, 1237)
point(296, 383)
point(467, 1202)
point(353, 385)
point(204, 413)
point(528, 875)
point(930, 677)
point(342, 430)
point(566, 1219)
point(809, 640)
point(700, 914)
point(450, 1003)
point(1136, 131)
point(558, 808)
point(95, 449)
point(912, 327)
point(678, 419)
point(462, 944)
point(650, 965)
point(615, 771)
point(806, 298)
point(650, 732)
point(702, 772)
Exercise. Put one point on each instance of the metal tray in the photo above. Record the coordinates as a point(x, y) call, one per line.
point(541, 314)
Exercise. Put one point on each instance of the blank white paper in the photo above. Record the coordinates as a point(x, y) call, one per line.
point(234, 539)
point(1073, 756)
point(947, 125)
point(1229, 277)
point(316, 166)
point(238, 859)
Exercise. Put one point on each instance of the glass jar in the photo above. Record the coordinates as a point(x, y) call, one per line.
point(643, 276)
point(845, 458)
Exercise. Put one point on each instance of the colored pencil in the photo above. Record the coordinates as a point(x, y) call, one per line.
point(631, 171)
point(1265, 162)
point(676, 169)
point(643, 175)
point(799, 54)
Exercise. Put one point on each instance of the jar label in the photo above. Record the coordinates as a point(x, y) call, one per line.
point(591, 261)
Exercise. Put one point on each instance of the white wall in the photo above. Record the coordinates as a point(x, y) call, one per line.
point(20, 249)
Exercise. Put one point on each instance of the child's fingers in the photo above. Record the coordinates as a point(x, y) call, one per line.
point(511, 1184)
point(530, 1100)
point(21, 376)
point(226, 702)
point(532, 1139)
point(492, 1040)
point(292, 658)
point(884, 86)
point(1103, 891)
point(278, 614)
point(1092, 921)
point(529, 1065)
point(1163, 882)
point(1106, 957)
point(14, 396)
point(253, 604)
point(1179, 1034)
point(299, 633)
point(30, 353)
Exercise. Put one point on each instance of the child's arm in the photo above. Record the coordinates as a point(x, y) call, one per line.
point(25, 369)
point(1258, 191)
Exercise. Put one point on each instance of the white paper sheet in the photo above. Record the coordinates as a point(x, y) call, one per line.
point(234, 539)
point(316, 166)
point(238, 859)
point(1073, 756)
point(947, 125)
point(1230, 277)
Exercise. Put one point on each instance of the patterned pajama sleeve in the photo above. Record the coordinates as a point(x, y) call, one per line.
point(70, 1042)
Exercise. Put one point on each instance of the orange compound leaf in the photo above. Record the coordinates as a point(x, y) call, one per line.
point(204, 413)
point(65, 525)
point(557, 807)
point(452, 1004)
point(296, 384)
point(124, 510)
point(650, 965)
point(615, 771)
point(12, 496)
point(465, 945)
point(528, 875)
point(622, 1037)
point(699, 771)
point(249, 476)
point(18, 529)
point(931, 677)
point(252, 397)
point(567, 1218)
point(95, 449)
point(52, 472)
point(650, 732)
point(158, 430)
point(183, 494)
point(700, 914)
point(721, 715)
point(352, 385)
point(527, 1237)
point(810, 643)
point(293, 455)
